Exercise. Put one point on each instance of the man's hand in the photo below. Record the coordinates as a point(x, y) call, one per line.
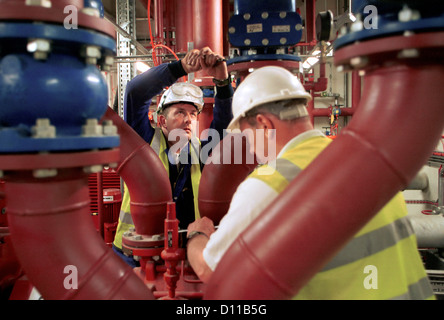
point(196, 246)
point(212, 64)
point(191, 61)
point(204, 225)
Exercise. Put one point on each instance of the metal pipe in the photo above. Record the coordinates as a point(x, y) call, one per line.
point(215, 190)
point(47, 194)
point(300, 231)
point(429, 230)
point(310, 18)
point(158, 18)
point(420, 182)
point(184, 25)
point(208, 22)
point(57, 232)
point(145, 177)
point(57, 244)
point(356, 88)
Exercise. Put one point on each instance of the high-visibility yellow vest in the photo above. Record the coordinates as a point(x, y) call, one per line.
point(159, 145)
point(380, 262)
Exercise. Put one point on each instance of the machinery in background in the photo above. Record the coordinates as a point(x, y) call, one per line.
point(263, 34)
point(106, 198)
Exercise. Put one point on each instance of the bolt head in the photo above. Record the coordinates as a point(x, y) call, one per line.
point(39, 3)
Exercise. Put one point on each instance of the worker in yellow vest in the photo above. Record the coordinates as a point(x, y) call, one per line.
point(271, 102)
point(177, 114)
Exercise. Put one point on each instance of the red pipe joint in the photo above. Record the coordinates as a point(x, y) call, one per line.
point(57, 244)
point(145, 177)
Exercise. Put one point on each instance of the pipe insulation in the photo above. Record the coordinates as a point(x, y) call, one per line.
point(309, 222)
point(420, 182)
point(429, 230)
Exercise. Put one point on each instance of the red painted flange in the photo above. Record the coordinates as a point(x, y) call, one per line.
point(23, 162)
point(15, 10)
point(368, 54)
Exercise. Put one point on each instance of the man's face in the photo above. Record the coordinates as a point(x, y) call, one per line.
point(180, 116)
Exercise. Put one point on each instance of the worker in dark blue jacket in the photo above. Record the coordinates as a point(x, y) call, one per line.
point(174, 139)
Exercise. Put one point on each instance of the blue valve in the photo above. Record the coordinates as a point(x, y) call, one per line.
point(52, 92)
point(96, 4)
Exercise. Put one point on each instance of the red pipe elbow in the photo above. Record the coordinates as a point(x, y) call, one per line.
point(300, 231)
point(145, 176)
point(57, 245)
point(230, 158)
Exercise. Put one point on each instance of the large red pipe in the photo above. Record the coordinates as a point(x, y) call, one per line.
point(356, 89)
point(310, 17)
point(55, 232)
point(159, 19)
point(184, 24)
point(57, 244)
point(230, 158)
point(145, 176)
point(208, 23)
point(309, 222)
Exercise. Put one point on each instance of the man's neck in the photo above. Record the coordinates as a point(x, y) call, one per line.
point(289, 130)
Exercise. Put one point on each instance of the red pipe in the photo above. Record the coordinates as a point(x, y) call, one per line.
point(170, 14)
point(207, 29)
point(325, 112)
point(310, 13)
point(56, 231)
point(321, 82)
point(356, 88)
point(207, 32)
point(145, 176)
point(226, 9)
point(158, 18)
point(309, 222)
point(184, 25)
point(51, 230)
point(215, 190)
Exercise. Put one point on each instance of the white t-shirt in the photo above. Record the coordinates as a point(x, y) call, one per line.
point(241, 213)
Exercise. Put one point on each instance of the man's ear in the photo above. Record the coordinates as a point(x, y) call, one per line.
point(266, 122)
point(161, 120)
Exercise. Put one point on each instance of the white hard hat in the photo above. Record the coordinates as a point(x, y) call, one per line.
point(182, 92)
point(264, 85)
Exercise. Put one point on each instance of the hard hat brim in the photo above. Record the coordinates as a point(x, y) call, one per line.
point(198, 107)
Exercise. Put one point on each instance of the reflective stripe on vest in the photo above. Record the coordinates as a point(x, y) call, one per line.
point(380, 241)
point(125, 219)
